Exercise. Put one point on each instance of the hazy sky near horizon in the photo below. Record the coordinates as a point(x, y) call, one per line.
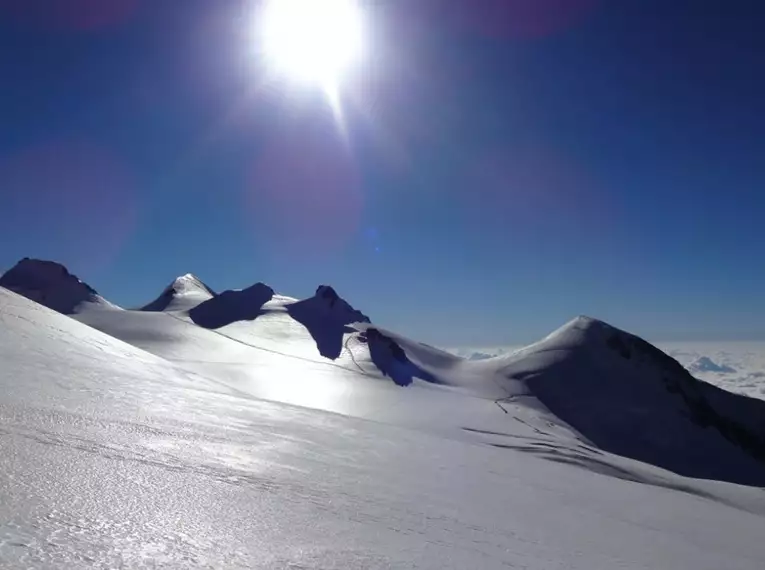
point(504, 164)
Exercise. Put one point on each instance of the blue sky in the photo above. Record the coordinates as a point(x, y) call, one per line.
point(502, 169)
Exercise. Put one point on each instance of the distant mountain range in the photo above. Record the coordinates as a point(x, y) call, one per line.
point(587, 382)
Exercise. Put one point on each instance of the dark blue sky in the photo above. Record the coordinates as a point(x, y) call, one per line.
point(507, 164)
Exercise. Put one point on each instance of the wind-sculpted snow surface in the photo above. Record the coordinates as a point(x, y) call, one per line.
point(113, 457)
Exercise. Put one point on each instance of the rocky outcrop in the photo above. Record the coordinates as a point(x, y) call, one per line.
point(51, 284)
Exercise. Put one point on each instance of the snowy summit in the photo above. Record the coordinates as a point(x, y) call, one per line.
point(184, 292)
point(628, 397)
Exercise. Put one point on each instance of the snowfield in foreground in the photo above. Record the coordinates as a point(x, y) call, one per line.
point(158, 442)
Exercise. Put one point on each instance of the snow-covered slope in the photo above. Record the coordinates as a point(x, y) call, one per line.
point(587, 382)
point(245, 354)
point(182, 294)
point(627, 397)
point(51, 284)
point(113, 457)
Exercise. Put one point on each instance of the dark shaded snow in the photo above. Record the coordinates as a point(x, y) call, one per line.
point(628, 397)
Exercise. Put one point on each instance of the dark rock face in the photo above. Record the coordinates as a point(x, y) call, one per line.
point(232, 306)
point(341, 308)
point(327, 317)
point(48, 283)
point(374, 337)
point(328, 293)
point(388, 356)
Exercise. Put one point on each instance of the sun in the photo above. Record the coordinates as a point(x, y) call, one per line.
point(316, 41)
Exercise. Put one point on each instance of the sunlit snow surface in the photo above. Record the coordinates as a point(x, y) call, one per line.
point(113, 457)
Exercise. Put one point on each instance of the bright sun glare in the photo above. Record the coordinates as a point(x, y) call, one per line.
point(312, 40)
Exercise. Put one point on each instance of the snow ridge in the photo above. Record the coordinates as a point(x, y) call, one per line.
point(628, 397)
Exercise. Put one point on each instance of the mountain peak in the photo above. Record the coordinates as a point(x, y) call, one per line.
point(326, 315)
point(327, 297)
point(581, 330)
point(51, 284)
point(190, 283)
point(628, 397)
point(586, 323)
point(184, 292)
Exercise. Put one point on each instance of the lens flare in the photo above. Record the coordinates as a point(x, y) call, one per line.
point(315, 41)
